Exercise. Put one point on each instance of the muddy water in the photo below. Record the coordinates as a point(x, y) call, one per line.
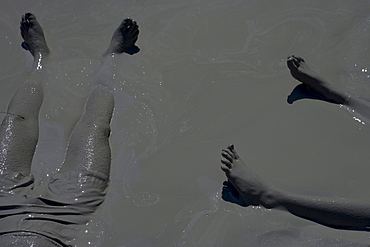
point(209, 73)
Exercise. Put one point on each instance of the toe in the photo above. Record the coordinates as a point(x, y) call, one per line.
point(23, 23)
point(133, 27)
point(236, 155)
point(296, 62)
point(227, 152)
point(135, 38)
point(225, 168)
point(230, 147)
point(226, 162)
point(22, 31)
point(299, 59)
point(233, 151)
point(136, 33)
point(126, 23)
point(292, 63)
point(23, 19)
point(30, 17)
point(227, 156)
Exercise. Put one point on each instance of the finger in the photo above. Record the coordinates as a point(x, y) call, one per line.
point(19, 130)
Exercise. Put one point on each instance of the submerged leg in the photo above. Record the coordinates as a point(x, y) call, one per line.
point(303, 73)
point(124, 38)
point(19, 135)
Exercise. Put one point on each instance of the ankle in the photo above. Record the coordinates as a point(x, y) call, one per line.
point(269, 199)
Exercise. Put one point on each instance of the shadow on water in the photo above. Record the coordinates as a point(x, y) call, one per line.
point(301, 91)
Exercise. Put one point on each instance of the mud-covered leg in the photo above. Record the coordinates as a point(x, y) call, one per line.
point(19, 135)
point(84, 175)
point(88, 148)
point(303, 73)
point(34, 40)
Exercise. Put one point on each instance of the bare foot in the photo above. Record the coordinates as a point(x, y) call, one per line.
point(303, 73)
point(124, 38)
point(33, 36)
point(230, 194)
point(249, 186)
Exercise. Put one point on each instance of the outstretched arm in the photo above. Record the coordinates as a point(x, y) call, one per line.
point(340, 214)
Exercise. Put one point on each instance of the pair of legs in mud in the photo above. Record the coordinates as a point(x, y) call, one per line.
point(245, 188)
point(40, 216)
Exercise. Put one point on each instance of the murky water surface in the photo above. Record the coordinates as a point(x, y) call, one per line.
point(209, 73)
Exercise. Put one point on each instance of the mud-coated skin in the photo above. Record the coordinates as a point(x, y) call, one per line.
point(303, 73)
point(51, 214)
point(245, 188)
point(28, 239)
point(314, 86)
point(124, 38)
point(33, 36)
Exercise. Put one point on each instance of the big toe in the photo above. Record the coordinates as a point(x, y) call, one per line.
point(293, 63)
point(26, 21)
point(133, 27)
point(126, 23)
point(30, 17)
